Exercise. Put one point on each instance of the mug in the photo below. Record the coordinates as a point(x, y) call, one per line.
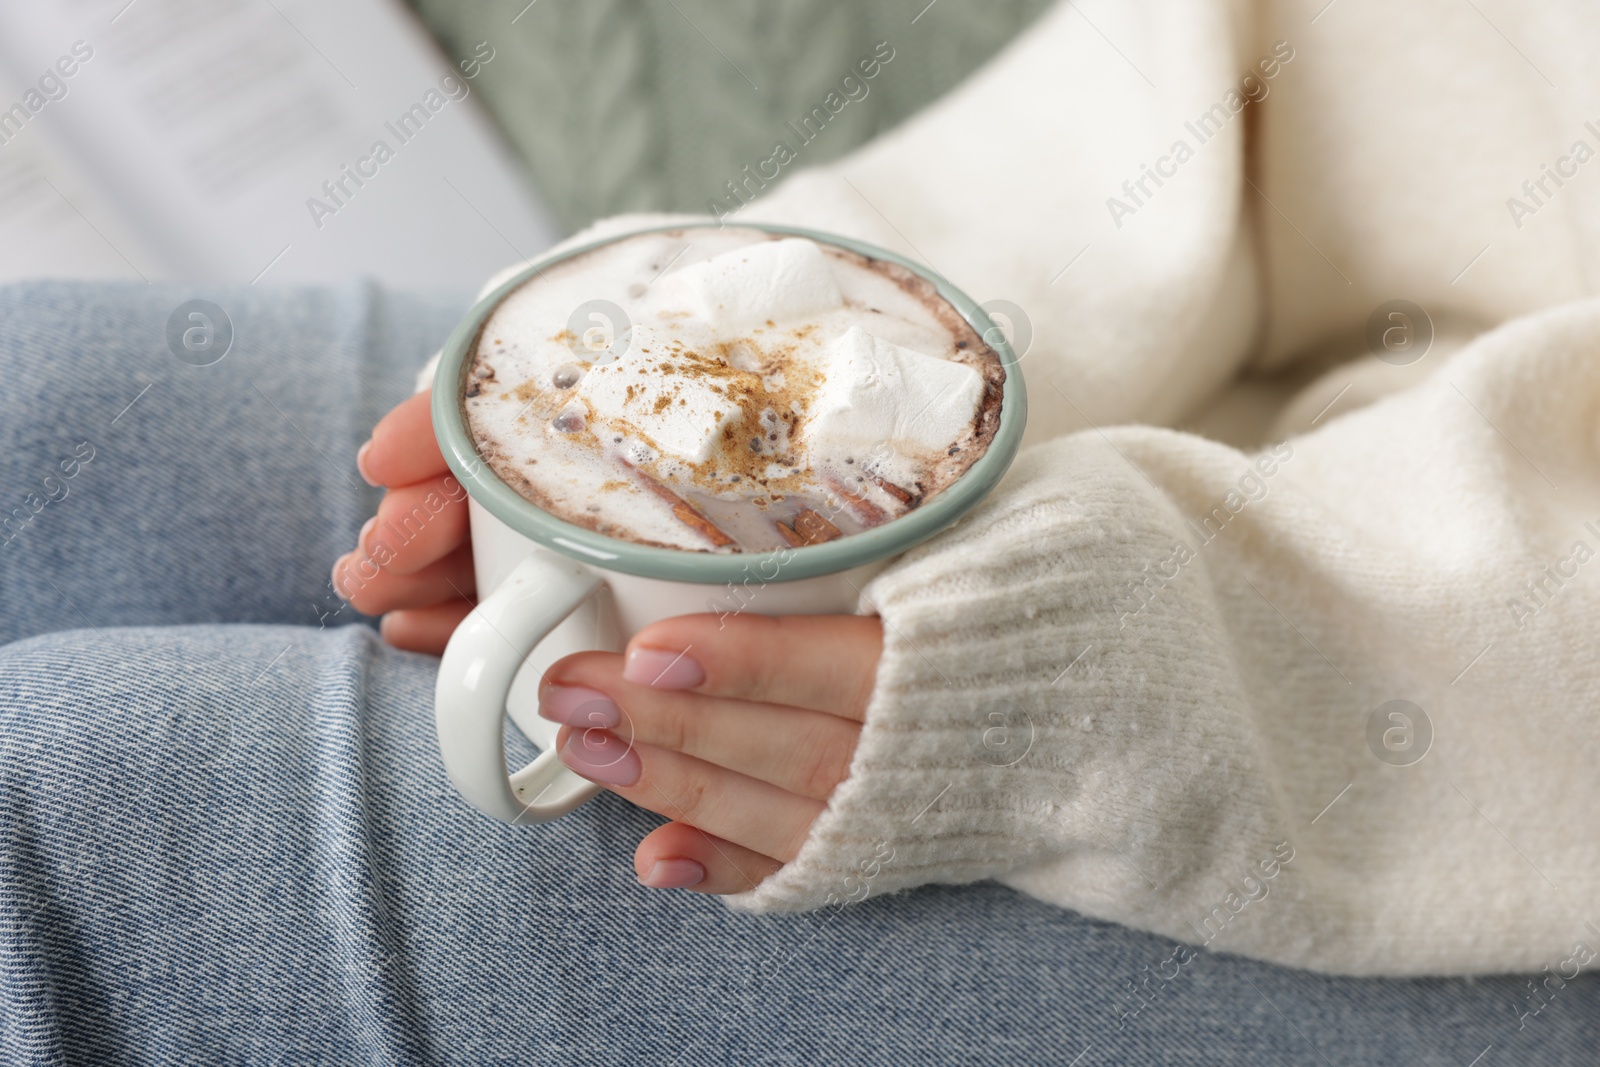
point(549, 588)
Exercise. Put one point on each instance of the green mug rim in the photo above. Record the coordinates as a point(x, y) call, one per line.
point(708, 568)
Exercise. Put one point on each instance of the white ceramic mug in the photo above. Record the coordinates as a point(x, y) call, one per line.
point(549, 588)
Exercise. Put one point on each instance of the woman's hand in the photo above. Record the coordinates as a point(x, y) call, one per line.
point(413, 563)
point(735, 728)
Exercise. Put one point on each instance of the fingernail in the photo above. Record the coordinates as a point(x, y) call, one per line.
point(601, 757)
point(662, 669)
point(575, 705)
point(366, 533)
point(361, 463)
point(338, 577)
point(673, 874)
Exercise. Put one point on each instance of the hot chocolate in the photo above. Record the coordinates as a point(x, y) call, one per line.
point(729, 390)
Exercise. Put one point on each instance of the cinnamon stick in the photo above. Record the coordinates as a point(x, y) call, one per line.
point(808, 528)
point(869, 513)
point(902, 495)
point(684, 511)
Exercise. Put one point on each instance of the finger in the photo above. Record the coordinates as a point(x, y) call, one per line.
point(755, 814)
point(403, 449)
point(804, 752)
point(669, 856)
point(418, 524)
point(823, 662)
point(423, 629)
point(373, 590)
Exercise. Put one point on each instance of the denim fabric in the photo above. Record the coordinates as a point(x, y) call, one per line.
point(224, 492)
point(228, 838)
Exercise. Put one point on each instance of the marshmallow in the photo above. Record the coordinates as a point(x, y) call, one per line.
point(878, 392)
point(777, 280)
point(674, 408)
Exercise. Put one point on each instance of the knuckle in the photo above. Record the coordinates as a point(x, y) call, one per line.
point(795, 839)
point(745, 877)
point(676, 727)
point(763, 654)
point(860, 700)
point(657, 722)
point(827, 761)
point(747, 656)
point(692, 797)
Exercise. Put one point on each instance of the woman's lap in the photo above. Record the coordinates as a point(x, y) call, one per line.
point(236, 842)
point(231, 842)
point(217, 493)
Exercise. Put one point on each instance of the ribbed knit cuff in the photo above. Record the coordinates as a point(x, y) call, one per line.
point(1021, 721)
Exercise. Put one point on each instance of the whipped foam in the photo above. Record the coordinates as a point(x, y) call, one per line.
point(757, 391)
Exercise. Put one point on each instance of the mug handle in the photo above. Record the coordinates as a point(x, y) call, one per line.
point(475, 676)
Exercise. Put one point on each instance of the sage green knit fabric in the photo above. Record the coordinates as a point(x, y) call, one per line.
point(618, 105)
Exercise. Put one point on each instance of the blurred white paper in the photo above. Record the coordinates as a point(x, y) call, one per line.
point(250, 140)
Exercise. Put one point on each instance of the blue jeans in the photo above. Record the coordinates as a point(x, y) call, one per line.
point(228, 837)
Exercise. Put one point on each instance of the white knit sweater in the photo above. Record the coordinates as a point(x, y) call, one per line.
point(1149, 679)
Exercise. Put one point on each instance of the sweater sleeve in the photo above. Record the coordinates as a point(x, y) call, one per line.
point(1317, 705)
